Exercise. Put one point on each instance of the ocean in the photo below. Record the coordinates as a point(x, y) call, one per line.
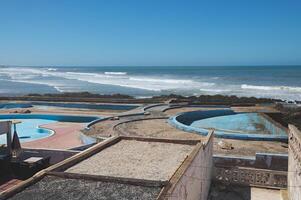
point(281, 82)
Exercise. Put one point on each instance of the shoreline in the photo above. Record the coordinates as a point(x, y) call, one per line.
point(126, 99)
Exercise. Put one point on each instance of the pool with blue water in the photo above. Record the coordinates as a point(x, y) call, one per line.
point(241, 123)
point(229, 124)
point(30, 127)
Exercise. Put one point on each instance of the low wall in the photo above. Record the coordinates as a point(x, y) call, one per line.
point(175, 106)
point(56, 155)
point(268, 161)
point(188, 118)
point(194, 182)
point(294, 163)
point(251, 177)
point(263, 170)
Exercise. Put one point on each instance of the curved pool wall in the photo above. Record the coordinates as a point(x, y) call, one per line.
point(170, 107)
point(69, 105)
point(32, 130)
point(61, 118)
point(183, 121)
point(15, 105)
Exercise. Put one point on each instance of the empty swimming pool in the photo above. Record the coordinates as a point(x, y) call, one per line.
point(228, 124)
point(30, 127)
point(87, 106)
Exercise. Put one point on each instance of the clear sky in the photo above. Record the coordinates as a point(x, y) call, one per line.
point(150, 32)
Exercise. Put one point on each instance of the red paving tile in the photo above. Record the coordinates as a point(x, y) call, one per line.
point(66, 136)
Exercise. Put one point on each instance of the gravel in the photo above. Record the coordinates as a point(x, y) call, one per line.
point(55, 188)
point(136, 159)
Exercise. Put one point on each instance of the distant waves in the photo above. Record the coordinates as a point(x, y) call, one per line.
point(138, 81)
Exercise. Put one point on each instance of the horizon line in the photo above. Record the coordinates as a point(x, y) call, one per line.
point(266, 65)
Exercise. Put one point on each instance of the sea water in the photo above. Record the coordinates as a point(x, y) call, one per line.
point(282, 82)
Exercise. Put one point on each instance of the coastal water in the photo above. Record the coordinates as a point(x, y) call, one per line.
point(283, 82)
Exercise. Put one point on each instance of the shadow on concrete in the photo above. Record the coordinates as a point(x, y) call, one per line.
point(229, 192)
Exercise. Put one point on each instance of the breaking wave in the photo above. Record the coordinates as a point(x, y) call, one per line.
point(67, 80)
point(54, 79)
point(269, 88)
point(116, 73)
point(52, 69)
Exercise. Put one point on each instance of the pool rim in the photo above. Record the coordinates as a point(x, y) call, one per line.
point(219, 134)
point(52, 132)
point(32, 104)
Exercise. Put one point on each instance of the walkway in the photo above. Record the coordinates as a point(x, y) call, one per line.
point(66, 136)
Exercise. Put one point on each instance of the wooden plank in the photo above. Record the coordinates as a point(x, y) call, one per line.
point(122, 180)
point(61, 166)
point(21, 186)
point(163, 140)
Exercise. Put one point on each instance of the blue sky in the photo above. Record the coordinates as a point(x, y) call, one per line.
point(150, 32)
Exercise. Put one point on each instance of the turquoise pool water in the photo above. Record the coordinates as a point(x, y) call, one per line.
point(229, 124)
point(30, 130)
point(246, 123)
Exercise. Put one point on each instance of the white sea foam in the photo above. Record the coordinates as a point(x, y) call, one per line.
point(31, 75)
point(139, 82)
point(52, 69)
point(116, 73)
point(71, 81)
point(215, 90)
point(269, 88)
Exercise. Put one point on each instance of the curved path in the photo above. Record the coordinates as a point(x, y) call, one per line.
point(154, 124)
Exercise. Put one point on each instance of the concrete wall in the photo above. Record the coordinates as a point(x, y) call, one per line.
point(56, 155)
point(273, 126)
point(270, 161)
point(263, 170)
point(294, 163)
point(196, 179)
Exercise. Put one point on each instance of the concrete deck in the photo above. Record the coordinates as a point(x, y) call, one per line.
point(66, 136)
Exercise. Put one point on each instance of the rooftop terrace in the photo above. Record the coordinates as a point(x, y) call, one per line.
point(124, 168)
point(53, 188)
point(136, 159)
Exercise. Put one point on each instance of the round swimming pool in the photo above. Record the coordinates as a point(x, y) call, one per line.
point(29, 129)
point(228, 124)
point(239, 123)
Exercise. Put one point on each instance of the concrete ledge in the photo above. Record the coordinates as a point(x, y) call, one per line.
point(268, 161)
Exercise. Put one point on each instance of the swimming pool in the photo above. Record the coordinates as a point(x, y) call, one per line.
point(229, 124)
point(30, 129)
point(89, 106)
point(252, 123)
